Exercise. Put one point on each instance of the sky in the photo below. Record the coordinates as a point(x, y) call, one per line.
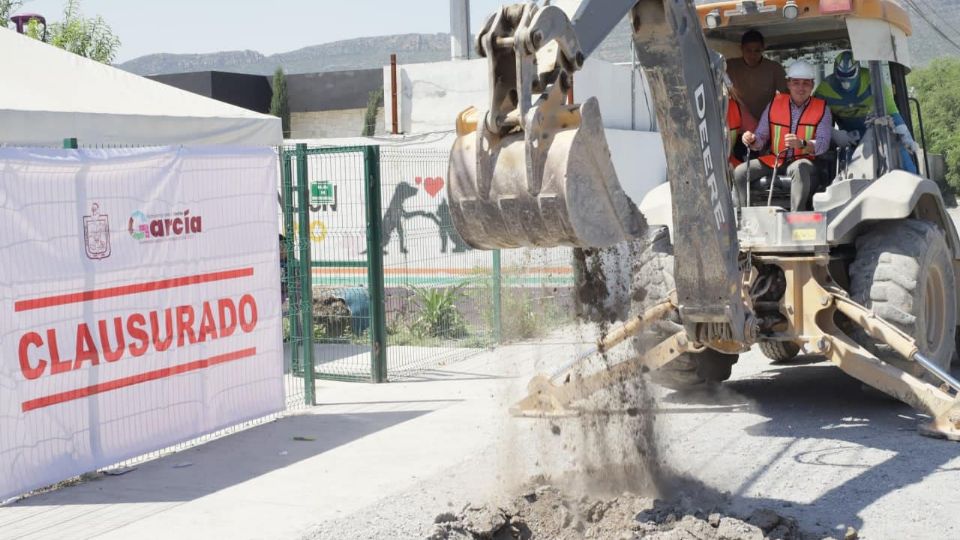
point(272, 26)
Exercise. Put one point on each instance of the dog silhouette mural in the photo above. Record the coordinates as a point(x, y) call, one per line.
point(395, 214)
point(447, 231)
point(434, 185)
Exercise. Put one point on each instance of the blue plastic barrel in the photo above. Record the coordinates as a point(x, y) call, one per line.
point(358, 302)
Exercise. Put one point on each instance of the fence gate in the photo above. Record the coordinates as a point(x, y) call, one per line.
point(332, 331)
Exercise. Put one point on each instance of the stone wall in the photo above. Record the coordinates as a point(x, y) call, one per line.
point(331, 124)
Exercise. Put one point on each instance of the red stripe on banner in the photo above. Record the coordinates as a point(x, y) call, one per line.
point(163, 373)
point(124, 290)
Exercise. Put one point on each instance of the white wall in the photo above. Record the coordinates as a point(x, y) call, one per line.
point(430, 96)
point(419, 163)
point(638, 159)
point(611, 85)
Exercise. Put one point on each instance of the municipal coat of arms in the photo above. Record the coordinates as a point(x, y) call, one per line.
point(96, 234)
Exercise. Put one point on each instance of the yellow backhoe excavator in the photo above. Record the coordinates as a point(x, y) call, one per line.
point(865, 278)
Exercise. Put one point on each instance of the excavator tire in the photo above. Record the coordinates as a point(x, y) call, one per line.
point(779, 351)
point(652, 283)
point(903, 271)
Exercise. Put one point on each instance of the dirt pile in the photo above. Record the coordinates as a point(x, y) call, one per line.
point(545, 512)
point(330, 313)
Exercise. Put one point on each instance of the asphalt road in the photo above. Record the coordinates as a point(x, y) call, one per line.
point(802, 439)
point(808, 440)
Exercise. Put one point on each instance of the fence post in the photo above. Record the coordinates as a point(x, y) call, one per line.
point(70, 143)
point(306, 272)
point(497, 307)
point(293, 293)
point(378, 320)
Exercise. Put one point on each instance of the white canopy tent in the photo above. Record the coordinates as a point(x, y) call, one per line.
point(48, 95)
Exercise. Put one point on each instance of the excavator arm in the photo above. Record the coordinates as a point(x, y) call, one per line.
point(533, 170)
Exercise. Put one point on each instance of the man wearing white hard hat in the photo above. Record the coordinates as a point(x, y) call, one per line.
point(797, 126)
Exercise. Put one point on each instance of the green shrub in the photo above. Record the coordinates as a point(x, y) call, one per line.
point(438, 314)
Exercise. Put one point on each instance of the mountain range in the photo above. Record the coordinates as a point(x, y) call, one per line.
point(374, 52)
point(359, 53)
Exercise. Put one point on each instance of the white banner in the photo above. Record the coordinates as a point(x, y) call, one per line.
point(139, 303)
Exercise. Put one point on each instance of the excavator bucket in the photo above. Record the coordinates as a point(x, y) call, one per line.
point(561, 191)
point(535, 172)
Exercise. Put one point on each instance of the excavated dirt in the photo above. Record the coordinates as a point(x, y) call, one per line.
point(545, 512)
point(611, 486)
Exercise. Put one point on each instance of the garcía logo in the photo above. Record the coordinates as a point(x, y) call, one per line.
point(171, 226)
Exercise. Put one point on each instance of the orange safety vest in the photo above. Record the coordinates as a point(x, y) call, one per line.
point(734, 123)
point(779, 117)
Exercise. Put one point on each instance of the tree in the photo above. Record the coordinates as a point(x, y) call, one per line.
point(35, 31)
point(374, 102)
point(279, 105)
point(937, 88)
point(7, 7)
point(89, 37)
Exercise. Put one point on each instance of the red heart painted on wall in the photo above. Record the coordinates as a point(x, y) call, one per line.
point(433, 185)
point(418, 180)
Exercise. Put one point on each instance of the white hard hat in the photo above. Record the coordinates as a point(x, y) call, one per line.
point(801, 70)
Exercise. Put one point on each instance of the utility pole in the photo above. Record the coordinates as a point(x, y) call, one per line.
point(460, 29)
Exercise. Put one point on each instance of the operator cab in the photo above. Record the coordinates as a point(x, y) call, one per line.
point(816, 31)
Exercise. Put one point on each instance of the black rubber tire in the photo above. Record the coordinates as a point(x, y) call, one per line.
point(779, 351)
point(903, 271)
point(652, 283)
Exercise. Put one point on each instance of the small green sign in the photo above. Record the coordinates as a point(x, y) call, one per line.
point(321, 193)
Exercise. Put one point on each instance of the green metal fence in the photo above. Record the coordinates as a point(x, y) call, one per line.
point(393, 289)
point(326, 232)
point(440, 293)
